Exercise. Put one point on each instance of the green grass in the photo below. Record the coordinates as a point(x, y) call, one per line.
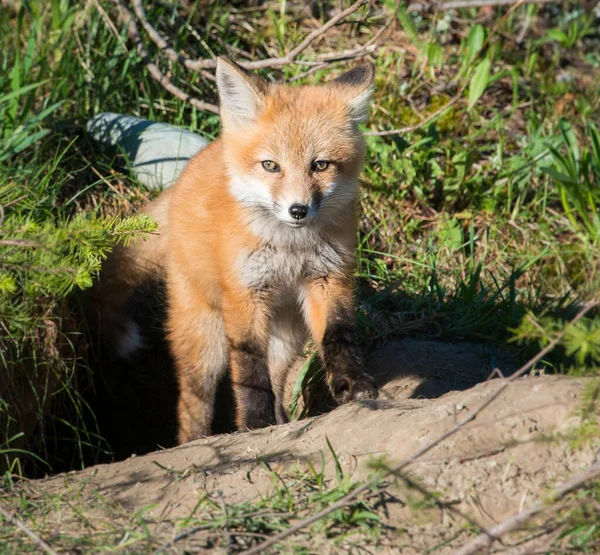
point(481, 225)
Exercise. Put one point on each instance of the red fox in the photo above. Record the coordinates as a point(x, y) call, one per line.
point(256, 242)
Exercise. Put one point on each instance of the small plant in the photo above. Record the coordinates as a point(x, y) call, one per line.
point(576, 173)
point(571, 32)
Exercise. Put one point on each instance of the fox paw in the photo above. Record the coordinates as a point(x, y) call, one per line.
point(359, 388)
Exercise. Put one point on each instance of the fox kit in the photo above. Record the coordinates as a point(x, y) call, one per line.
point(256, 242)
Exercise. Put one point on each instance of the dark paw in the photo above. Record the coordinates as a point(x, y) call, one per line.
point(257, 417)
point(346, 388)
point(254, 423)
point(256, 409)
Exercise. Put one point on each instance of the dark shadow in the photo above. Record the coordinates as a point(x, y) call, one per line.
point(135, 401)
point(104, 132)
point(429, 368)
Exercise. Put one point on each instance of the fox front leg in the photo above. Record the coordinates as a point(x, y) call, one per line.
point(329, 310)
point(246, 320)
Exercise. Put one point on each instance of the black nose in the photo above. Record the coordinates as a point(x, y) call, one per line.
point(298, 211)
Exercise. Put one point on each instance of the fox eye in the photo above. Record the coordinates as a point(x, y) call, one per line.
point(270, 166)
point(320, 165)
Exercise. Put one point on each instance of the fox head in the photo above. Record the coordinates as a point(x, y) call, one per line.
point(293, 154)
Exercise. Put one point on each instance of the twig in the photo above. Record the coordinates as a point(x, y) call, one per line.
point(458, 4)
point(109, 184)
point(32, 535)
point(494, 534)
point(329, 57)
point(110, 24)
point(308, 72)
point(20, 243)
point(41, 269)
point(14, 201)
point(373, 482)
point(134, 34)
point(191, 531)
point(208, 63)
point(524, 29)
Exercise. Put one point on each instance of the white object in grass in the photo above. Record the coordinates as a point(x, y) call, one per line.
point(157, 152)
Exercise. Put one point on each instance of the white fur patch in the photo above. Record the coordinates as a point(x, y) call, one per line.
point(277, 267)
point(215, 355)
point(251, 192)
point(287, 336)
point(359, 105)
point(130, 341)
point(290, 254)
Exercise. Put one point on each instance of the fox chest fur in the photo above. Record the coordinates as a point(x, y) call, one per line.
point(272, 267)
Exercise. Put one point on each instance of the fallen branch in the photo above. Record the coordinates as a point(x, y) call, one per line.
point(491, 535)
point(458, 4)
point(350, 497)
point(209, 63)
point(129, 20)
point(185, 534)
point(133, 33)
point(32, 535)
point(369, 47)
point(19, 242)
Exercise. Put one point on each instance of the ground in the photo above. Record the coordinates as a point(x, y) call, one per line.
point(506, 459)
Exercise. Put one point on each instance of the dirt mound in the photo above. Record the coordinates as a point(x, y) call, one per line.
point(501, 462)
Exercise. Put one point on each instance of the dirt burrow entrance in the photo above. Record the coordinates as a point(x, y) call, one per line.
point(501, 462)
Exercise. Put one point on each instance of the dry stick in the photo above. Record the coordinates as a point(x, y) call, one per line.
point(493, 534)
point(367, 48)
point(19, 243)
point(458, 4)
point(192, 531)
point(110, 24)
point(157, 39)
point(208, 63)
point(359, 50)
point(133, 32)
point(370, 483)
point(458, 95)
point(32, 535)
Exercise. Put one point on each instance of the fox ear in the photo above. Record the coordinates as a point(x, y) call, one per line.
point(241, 93)
point(357, 87)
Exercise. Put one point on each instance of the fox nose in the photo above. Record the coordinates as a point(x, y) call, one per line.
point(298, 211)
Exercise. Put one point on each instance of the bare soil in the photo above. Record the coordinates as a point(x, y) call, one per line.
point(497, 465)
